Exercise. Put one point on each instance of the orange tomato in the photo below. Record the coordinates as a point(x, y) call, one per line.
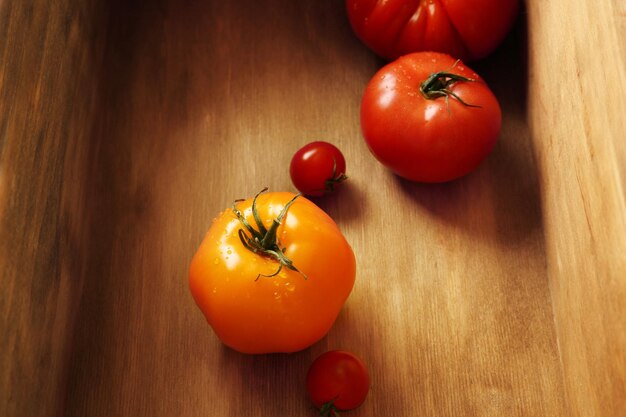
point(261, 296)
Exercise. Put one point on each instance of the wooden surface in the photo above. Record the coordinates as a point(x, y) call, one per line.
point(48, 76)
point(580, 148)
point(126, 126)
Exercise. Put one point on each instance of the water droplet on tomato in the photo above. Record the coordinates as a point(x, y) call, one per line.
point(216, 261)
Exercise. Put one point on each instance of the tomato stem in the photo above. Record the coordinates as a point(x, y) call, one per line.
point(255, 213)
point(332, 182)
point(328, 409)
point(264, 241)
point(438, 84)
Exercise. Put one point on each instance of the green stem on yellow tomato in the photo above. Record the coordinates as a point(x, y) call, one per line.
point(264, 241)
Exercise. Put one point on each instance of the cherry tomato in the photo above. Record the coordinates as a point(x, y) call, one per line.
point(317, 168)
point(337, 380)
point(467, 29)
point(429, 118)
point(272, 274)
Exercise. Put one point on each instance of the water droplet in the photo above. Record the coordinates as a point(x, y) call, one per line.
point(276, 295)
point(216, 261)
point(282, 275)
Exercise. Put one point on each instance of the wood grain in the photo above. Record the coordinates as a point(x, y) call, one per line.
point(48, 73)
point(125, 126)
point(579, 131)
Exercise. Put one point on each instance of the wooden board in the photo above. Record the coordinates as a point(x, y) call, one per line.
point(579, 132)
point(126, 126)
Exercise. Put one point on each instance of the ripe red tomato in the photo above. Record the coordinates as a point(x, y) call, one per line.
point(317, 168)
point(272, 274)
point(467, 29)
point(429, 118)
point(337, 380)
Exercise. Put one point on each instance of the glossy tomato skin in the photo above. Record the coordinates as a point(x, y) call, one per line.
point(467, 29)
point(428, 140)
point(317, 168)
point(283, 313)
point(338, 376)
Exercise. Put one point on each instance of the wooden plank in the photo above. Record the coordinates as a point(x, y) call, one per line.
point(578, 131)
point(207, 104)
point(126, 126)
point(48, 67)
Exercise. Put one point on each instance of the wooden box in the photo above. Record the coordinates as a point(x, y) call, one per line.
point(125, 126)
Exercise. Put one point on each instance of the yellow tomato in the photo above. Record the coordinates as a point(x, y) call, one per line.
point(274, 281)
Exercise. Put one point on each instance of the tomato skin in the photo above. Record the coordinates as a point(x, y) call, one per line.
point(283, 313)
point(338, 376)
point(426, 140)
point(467, 29)
point(317, 167)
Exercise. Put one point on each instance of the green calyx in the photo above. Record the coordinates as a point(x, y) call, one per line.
point(439, 84)
point(329, 410)
point(336, 179)
point(264, 241)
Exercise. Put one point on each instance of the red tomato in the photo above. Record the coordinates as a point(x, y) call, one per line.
point(429, 118)
point(337, 380)
point(272, 274)
point(468, 29)
point(317, 168)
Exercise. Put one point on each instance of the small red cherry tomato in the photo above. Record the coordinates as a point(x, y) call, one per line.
point(317, 168)
point(337, 380)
